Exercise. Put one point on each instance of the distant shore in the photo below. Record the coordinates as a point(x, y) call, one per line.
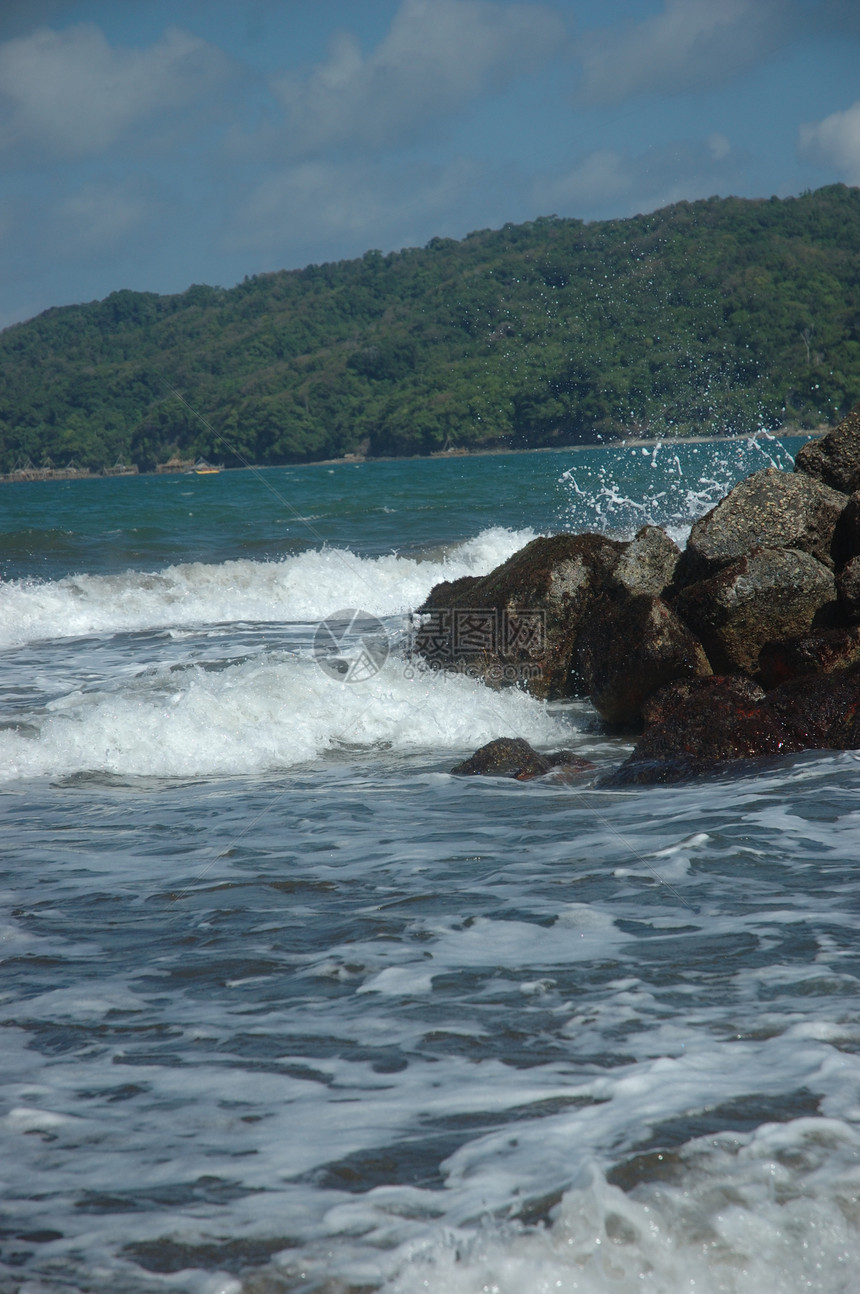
point(32, 474)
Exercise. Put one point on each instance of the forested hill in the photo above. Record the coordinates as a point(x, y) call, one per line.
point(712, 316)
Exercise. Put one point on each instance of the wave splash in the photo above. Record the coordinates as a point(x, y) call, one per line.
point(265, 714)
point(305, 588)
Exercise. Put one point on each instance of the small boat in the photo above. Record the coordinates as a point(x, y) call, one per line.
point(202, 468)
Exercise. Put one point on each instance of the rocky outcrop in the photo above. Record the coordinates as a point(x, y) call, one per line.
point(770, 509)
point(520, 624)
point(515, 758)
point(631, 647)
point(835, 459)
point(768, 594)
point(700, 726)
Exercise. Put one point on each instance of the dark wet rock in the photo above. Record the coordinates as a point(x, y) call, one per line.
point(818, 652)
point(702, 725)
point(770, 509)
point(631, 647)
point(771, 593)
point(520, 623)
point(835, 458)
point(848, 586)
point(698, 725)
point(647, 565)
point(846, 540)
point(823, 711)
point(513, 757)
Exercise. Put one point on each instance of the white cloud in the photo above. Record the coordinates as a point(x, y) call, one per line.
point(102, 216)
point(835, 142)
point(308, 209)
point(71, 94)
point(603, 177)
point(690, 45)
point(609, 183)
point(436, 57)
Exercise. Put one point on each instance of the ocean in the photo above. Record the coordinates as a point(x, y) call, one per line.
point(288, 1008)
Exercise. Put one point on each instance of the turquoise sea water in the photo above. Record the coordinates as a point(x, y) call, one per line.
point(286, 1007)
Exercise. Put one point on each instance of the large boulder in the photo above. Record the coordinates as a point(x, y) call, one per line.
point(647, 564)
point(631, 647)
point(771, 593)
point(835, 458)
point(770, 509)
point(818, 652)
point(520, 623)
point(702, 725)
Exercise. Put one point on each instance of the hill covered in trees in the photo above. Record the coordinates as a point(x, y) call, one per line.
point(716, 316)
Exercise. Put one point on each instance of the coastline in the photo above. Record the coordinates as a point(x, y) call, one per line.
point(40, 475)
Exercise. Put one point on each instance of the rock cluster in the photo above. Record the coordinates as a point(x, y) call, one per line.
point(746, 644)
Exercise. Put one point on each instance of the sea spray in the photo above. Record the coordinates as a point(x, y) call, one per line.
point(667, 484)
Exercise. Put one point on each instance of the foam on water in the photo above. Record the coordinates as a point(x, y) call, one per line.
point(772, 1210)
point(264, 714)
point(303, 588)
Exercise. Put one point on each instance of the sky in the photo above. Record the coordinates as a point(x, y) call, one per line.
point(152, 144)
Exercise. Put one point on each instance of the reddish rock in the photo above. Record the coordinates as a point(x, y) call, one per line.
point(704, 724)
point(772, 593)
point(519, 624)
point(770, 509)
point(835, 458)
point(631, 647)
point(823, 711)
point(818, 652)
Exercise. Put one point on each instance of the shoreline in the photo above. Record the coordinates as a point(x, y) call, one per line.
point(36, 476)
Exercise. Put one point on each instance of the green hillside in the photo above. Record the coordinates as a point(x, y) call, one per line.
point(712, 316)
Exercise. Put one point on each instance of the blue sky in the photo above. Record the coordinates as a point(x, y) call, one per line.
point(151, 145)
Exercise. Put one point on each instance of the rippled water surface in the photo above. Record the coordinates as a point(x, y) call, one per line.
point(287, 1007)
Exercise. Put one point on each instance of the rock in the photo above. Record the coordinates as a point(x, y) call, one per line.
point(770, 509)
point(848, 586)
point(631, 647)
point(835, 458)
point(771, 593)
point(647, 565)
point(701, 725)
point(818, 652)
point(513, 757)
point(519, 624)
point(697, 725)
point(823, 712)
point(846, 540)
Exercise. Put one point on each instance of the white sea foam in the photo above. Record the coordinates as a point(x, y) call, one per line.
point(773, 1210)
point(303, 588)
point(264, 714)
